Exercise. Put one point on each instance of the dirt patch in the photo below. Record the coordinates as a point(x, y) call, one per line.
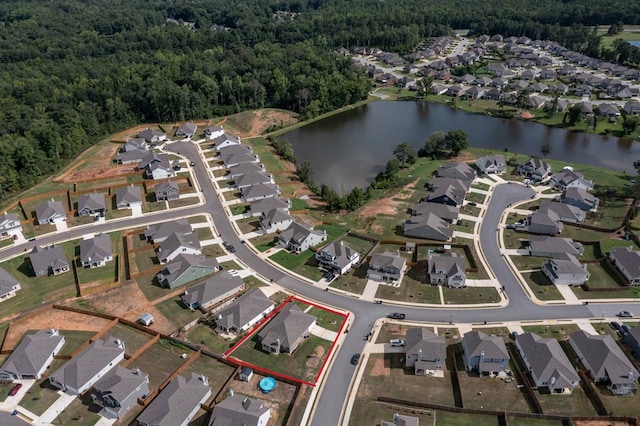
point(397, 331)
point(526, 115)
point(380, 368)
point(593, 423)
point(312, 362)
point(255, 123)
point(53, 318)
point(389, 205)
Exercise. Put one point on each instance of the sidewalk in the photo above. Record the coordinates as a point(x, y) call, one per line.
point(55, 409)
point(568, 295)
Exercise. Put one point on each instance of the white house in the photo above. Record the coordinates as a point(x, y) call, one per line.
point(338, 257)
point(492, 164)
point(33, 356)
point(9, 225)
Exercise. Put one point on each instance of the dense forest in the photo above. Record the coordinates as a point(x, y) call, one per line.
point(76, 70)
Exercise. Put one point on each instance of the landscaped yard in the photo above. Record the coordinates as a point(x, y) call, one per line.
point(304, 263)
point(526, 263)
point(160, 360)
point(354, 281)
point(610, 214)
point(265, 242)
point(412, 288)
point(326, 319)
point(41, 395)
point(601, 278)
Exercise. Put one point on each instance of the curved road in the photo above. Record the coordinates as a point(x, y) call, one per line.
point(334, 393)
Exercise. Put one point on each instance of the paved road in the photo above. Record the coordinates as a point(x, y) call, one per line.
point(335, 390)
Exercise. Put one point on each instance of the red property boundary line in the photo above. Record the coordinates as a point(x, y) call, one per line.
point(271, 315)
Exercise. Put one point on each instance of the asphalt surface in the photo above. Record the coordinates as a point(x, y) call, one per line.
point(334, 393)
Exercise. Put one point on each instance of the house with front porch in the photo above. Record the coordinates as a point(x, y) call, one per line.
point(49, 260)
point(129, 197)
point(185, 268)
point(275, 220)
point(491, 164)
point(428, 226)
point(167, 191)
point(119, 390)
point(10, 225)
point(96, 252)
point(159, 232)
point(386, 267)
point(580, 198)
point(213, 132)
point(447, 270)
point(259, 192)
point(535, 169)
point(187, 130)
point(212, 291)
point(299, 237)
point(337, 257)
point(51, 212)
point(565, 269)
point(567, 178)
point(91, 204)
point(33, 356)
point(177, 244)
point(152, 136)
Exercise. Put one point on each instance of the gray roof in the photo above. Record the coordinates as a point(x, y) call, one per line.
point(152, 158)
point(135, 144)
point(628, 259)
point(225, 138)
point(48, 257)
point(148, 134)
point(451, 192)
point(564, 211)
point(387, 259)
point(238, 410)
point(160, 231)
point(604, 357)
point(244, 309)
point(6, 218)
point(340, 251)
point(252, 179)
point(555, 245)
point(7, 282)
point(260, 190)
point(182, 263)
point(212, 129)
point(450, 263)
point(456, 170)
point(79, 370)
point(164, 187)
point(565, 177)
point(212, 288)
point(160, 165)
point(129, 194)
point(492, 160)
point(443, 211)
point(444, 182)
point(92, 202)
point(427, 342)
point(95, 249)
point(267, 204)
point(537, 165)
point(176, 401)
point(479, 343)
point(129, 156)
point(401, 420)
point(187, 129)
point(120, 382)
point(580, 194)
point(298, 232)
point(239, 159)
point(547, 359)
point(565, 264)
point(244, 168)
point(49, 209)
point(431, 221)
point(176, 241)
point(274, 216)
point(235, 149)
point(286, 327)
point(30, 356)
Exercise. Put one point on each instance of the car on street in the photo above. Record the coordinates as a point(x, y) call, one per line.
point(615, 325)
point(229, 246)
point(193, 163)
point(624, 314)
point(397, 315)
point(14, 390)
point(355, 359)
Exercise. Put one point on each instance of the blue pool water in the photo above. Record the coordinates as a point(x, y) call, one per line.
point(267, 384)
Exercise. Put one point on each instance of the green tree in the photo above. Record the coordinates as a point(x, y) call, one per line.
point(436, 144)
point(405, 154)
point(546, 149)
point(457, 141)
point(629, 125)
point(305, 173)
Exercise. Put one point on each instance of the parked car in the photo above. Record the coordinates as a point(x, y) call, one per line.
point(624, 314)
point(472, 204)
point(355, 359)
point(625, 328)
point(330, 277)
point(193, 163)
point(397, 342)
point(615, 325)
point(14, 390)
point(397, 315)
point(177, 168)
point(229, 246)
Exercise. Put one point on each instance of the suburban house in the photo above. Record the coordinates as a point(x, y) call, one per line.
point(443, 211)
point(386, 267)
point(337, 257)
point(9, 225)
point(492, 164)
point(244, 312)
point(91, 204)
point(286, 330)
point(260, 191)
point(234, 149)
point(428, 226)
point(152, 136)
point(544, 223)
point(212, 291)
point(135, 144)
point(159, 170)
point(544, 246)
point(187, 130)
point(632, 340)
point(177, 403)
point(96, 251)
point(565, 269)
point(161, 231)
point(627, 262)
point(275, 220)
point(426, 352)
point(250, 179)
point(239, 410)
point(401, 420)
point(256, 208)
point(33, 355)
point(224, 141)
point(245, 168)
point(185, 268)
point(450, 195)
point(131, 157)
point(177, 244)
point(151, 158)
point(8, 285)
point(485, 354)
point(460, 171)
point(580, 198)
point(605, 361)
point(167, 191)
point(91, 364)
point(119, 390)
point(447, 269)
point(549, 366)
point(50, 212)
point(48, 260)
point(535, 169)
point(567, 178)
point(213, 132)
point(128, 197)
point(298, 237)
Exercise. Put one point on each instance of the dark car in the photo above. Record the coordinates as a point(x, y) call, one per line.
point(330, 277)
point(229, 246)
point(625, 328)
point(615, 325)
point(177, 168)
point(355, 359)
point(472, 204)
point(193, 163)
point(397, 315)
point(14, 390)
point(624, 314)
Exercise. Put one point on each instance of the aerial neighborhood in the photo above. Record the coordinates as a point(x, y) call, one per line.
point(193, 278)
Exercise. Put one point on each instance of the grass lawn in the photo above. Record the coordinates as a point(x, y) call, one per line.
point(610, 214)
point(146, 260)
point(333, 231)
point(446, 418)
point(575, 404)
point(326, 319)
point(358, 244)
point(490, 393)
point(632, 292)
point(559, 332)
point(412, 288)
point(580, 234)
point(526, 263)
point(265, 242)
point(42, 394)
point(470, 210)
point(465, 226)
point(237, 209)
point(249, 224)
point(355, 281)
point(230, 264)
point(607, 245)
point(73, 339)
point(480, 185)
point(133, 339)
point(540, 285)
point(204, 335)
point(203, 233)
point(197, 219)
point(304, 263)
point(160, 360)
point(150, 287)
point(601, 278)
point(107, 273)
point(303, 364)
point(82, 411)
point(35, 291)
point(619, 405)
point(470, 295)
point(174, 310)
point(217, 372)
point(213, 250)
point(475, 197)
